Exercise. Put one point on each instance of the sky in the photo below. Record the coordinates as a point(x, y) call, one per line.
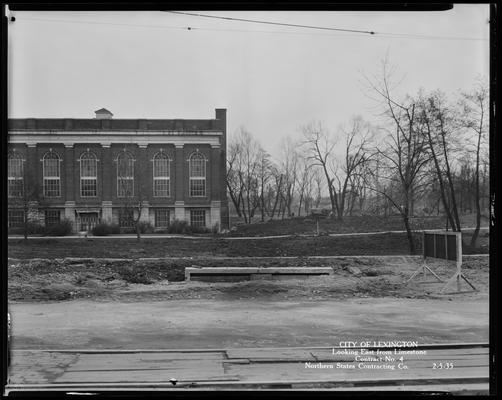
point(271, 79)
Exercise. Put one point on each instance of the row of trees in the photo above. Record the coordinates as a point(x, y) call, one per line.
point(260, 187)
point(427, 149)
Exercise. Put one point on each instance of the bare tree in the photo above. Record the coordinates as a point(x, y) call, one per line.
point(319, 147)
point(245, 158)
point(23, 190)
point(276, 191)
point(437, 121)
point(405, 151)
point(304, 183)
point(264, 175)
point(288, 164)
point(474, 107)
point(235, 185)
point(356, 155)
point(317, 180)
point(359, 187)
point(24, 197)
point(133, 193)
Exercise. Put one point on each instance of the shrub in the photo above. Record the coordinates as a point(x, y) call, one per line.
point(16, 231)
point(101, 229)
point(146, 227)
point(114, 229)
point(199, 229)
point(178, 226)
point(183, 227)
point(104, 229)
point(35, 228)
point(65, 227)
point(216, 228)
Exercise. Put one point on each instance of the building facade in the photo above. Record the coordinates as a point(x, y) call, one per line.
point(109, 170)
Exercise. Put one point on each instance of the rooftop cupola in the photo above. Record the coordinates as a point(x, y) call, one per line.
point(103, 113)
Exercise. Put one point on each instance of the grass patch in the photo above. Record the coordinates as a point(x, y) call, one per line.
point(384, 244)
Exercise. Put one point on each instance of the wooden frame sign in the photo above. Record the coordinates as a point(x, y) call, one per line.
point(443, 245)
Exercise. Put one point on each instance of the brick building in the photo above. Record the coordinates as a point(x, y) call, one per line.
point(99, 169)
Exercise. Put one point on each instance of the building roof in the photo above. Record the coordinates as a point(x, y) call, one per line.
point(116, 125)
point(113, 124)
point(103, 111)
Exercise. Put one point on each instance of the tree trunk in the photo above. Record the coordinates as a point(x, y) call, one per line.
point(474, 238)
point(25, 222)
point(138, 233)
point(330, 190)
point(442, 189)
point(456, 225)
point(409, 235)
point(343, 195)
point(300, 205)
point(234, 200)
point(262, 201)
point(279, 185)
point(137, 221)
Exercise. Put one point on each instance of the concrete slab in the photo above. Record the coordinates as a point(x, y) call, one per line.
point(253, 367)
point(192, 272)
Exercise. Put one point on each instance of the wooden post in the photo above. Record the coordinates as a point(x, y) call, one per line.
point(458, 273)
point(424, 267)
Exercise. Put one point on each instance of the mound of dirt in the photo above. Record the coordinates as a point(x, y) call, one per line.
point(133, 280)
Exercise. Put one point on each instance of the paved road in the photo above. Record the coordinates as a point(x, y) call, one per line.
point(84, 324)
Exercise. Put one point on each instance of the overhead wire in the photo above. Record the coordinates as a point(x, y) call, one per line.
point(274, 23)
point(345, 32)
point(387, 34)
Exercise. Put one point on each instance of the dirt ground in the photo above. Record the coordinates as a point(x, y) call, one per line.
point(158, 280)
point(98, 304)
point(384, 244)
point(350, 224)
point(185, 324)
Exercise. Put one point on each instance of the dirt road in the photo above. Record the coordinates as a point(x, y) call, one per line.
point(82, 324)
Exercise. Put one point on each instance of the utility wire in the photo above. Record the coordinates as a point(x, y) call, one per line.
point(101, 23)
point(386, 34)
point(189, 28)
point(193, 28)
point(272, 23)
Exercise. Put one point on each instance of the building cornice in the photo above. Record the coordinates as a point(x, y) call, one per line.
point(114, 133)
point(108, 138)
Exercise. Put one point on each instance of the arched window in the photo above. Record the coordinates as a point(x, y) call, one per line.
point(161, 175)
point(125, 174)
point(88, 175)
point(52, 174)
point(15, 174)
point(197, 174)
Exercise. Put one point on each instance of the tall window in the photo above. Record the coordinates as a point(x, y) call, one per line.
point(198, 218)
point(51, 172)
point(15, 175)
point(88, 175)
point(15, 218)
point(126, 218)
point(197, 172)
point(52, 217)
point(125, 175)
point(161, 175)
point(161, 218)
